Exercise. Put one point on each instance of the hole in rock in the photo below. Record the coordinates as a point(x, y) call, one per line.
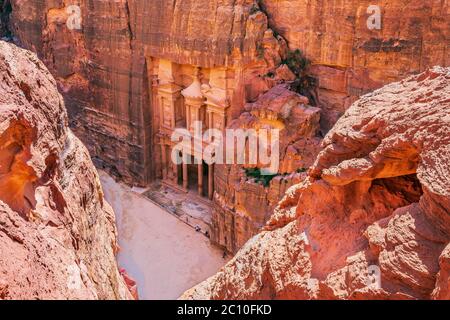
point(389, 194)
point(26, 90)
point(407, 187)
point(17, 178)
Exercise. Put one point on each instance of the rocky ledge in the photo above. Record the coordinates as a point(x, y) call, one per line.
point(372, 218)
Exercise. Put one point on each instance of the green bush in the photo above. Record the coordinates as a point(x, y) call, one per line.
point(297, 62)
point(255, 173)
point(299, 65)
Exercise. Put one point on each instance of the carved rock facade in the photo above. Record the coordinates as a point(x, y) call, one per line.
point(123, 73)
point(107, 68)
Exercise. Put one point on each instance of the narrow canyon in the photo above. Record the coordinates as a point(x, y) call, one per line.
point(102, 198)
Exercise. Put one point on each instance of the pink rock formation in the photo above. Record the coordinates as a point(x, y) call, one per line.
point(242, 206)
point(105, 68)
point(350, 58)
point(371, 220)
point(57, 233)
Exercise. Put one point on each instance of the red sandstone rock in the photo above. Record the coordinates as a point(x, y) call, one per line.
point(131, 284)
point(442, 290)
point(106, 69)
point(57, 233)
point(283, 73)
point(372, 219)
point(241, 206)
point(348, 58)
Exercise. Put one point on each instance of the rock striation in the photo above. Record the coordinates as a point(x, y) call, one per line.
point(104, 69)
point(242, 204)
point(351, 59)
point(372, 218)
point(125, 70)
point(57, 233)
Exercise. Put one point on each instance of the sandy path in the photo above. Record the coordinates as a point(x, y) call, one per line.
point(164, 255)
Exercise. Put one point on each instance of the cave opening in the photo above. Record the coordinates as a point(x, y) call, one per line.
point(396, 192)
point(408, 186)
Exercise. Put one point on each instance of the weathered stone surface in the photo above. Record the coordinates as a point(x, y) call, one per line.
point(104, 69)
point(371, 221)
point(57, 234)
point(442, 290)
point(242, 205)
point(349, 59)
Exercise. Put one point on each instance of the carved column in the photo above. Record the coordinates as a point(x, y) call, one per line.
point(210, 120)
point(174, 171)
point(163, 161)
point(211, 181)
point(185, 176)
point(194, 102)
point(200, 178)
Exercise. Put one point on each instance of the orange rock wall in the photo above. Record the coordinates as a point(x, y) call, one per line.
point(371, 220)
point(102, 68)
point(350, 59)
point(58, 237)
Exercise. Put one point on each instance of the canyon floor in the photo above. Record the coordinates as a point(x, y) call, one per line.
point(164, 255)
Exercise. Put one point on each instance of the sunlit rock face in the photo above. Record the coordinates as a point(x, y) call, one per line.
point(106, 69)
point(371, 220)
point(350, 58)
point(242, 204)
point(57, 234)
point(109, 70)
point(128, 56)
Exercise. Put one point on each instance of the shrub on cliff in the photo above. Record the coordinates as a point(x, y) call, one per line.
point(299, 64)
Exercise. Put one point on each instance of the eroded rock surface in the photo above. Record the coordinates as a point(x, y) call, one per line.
point(104, 69)
point(351, 59)
point(371, 220)
point(57, 234)
point(241, 205)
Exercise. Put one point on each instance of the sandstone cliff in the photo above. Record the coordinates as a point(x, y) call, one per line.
point(372, 218)
point(351, 59)
point(57, 234)
point(104, 69)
